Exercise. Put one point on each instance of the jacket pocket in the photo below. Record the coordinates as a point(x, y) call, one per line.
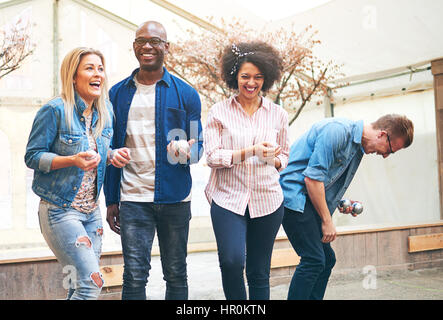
point(175, 123)
point(69, 143)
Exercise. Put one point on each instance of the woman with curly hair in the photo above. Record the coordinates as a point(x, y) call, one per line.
point(246, 146)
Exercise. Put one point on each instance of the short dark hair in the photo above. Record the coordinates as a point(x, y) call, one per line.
point(265, 57)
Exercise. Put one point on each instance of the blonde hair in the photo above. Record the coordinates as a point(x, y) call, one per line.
point(68, 71)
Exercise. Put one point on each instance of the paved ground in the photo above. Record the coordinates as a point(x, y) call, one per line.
point(205, 283)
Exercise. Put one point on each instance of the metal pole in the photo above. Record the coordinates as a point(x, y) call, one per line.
point(55, 49)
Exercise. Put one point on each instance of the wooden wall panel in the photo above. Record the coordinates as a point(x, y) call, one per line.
point(437, 71)
point(39, 280)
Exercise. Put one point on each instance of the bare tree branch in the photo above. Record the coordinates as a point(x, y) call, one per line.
point(15, 47)
point(198, 59)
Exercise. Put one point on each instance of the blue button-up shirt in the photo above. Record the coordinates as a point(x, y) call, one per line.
point(50, 137)
point(329, 152)
point(177, 116)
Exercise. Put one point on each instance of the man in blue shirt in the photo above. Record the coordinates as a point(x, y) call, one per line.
point(152, 194)
point(322, 163)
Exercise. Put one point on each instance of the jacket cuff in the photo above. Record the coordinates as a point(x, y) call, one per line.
point(283, 162)
point(45, 162)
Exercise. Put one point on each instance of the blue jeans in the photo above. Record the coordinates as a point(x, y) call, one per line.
point(139, 222)
point(316, 258)
point(75, 238)
point(241, 238)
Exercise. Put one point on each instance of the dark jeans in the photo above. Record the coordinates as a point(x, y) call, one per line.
point(241, 238)
point(316, 258)
point(138, 222)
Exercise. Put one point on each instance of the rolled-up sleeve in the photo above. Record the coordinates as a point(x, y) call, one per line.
point(283, 141)
point(216, 156)
point(43, 132)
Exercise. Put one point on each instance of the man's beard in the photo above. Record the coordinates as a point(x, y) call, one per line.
point(153, 67)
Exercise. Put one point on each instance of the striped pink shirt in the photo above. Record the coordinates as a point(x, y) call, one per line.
point(251, 183)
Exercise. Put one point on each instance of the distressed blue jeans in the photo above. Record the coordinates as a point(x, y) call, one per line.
point(139, 222)
point(75, 238)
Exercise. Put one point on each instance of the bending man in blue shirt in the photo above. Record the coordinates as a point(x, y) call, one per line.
point(322, 164)
point(152, 194)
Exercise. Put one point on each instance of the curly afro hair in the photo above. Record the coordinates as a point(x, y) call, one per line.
point(265, 57)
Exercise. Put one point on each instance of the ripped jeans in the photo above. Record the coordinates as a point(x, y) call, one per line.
point(75, 238)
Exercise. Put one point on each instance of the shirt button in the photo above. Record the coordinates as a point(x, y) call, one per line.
point(75, 188)
point(64, 205)
point(70, 141)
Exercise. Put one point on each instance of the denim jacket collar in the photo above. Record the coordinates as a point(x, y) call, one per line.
point(80, 107)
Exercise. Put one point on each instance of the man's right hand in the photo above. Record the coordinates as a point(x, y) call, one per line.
point(329, 231)
point(113, 217)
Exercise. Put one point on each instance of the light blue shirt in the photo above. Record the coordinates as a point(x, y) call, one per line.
point(329, 152)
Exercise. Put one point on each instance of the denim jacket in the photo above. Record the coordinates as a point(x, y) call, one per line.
point(330, 152)
point(50, 137)
point(177, 116)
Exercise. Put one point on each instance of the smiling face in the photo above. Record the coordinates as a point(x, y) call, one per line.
point(250, 81)
point(89, 78)
point(150, 54)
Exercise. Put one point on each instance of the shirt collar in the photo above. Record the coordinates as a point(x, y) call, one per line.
point(166, 79)
point(266, 103)
point(358, 133)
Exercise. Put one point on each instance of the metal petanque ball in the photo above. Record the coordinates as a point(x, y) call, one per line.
point(344, 204)
point(357, 208)
point(92, 154)
point(183, 145)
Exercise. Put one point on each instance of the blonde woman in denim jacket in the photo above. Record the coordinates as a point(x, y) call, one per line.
point(69, 148)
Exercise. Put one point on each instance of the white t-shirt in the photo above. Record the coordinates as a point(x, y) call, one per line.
point(138, 178)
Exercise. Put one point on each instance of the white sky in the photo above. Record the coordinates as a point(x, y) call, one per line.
point(279, 9)
point(269, 10)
